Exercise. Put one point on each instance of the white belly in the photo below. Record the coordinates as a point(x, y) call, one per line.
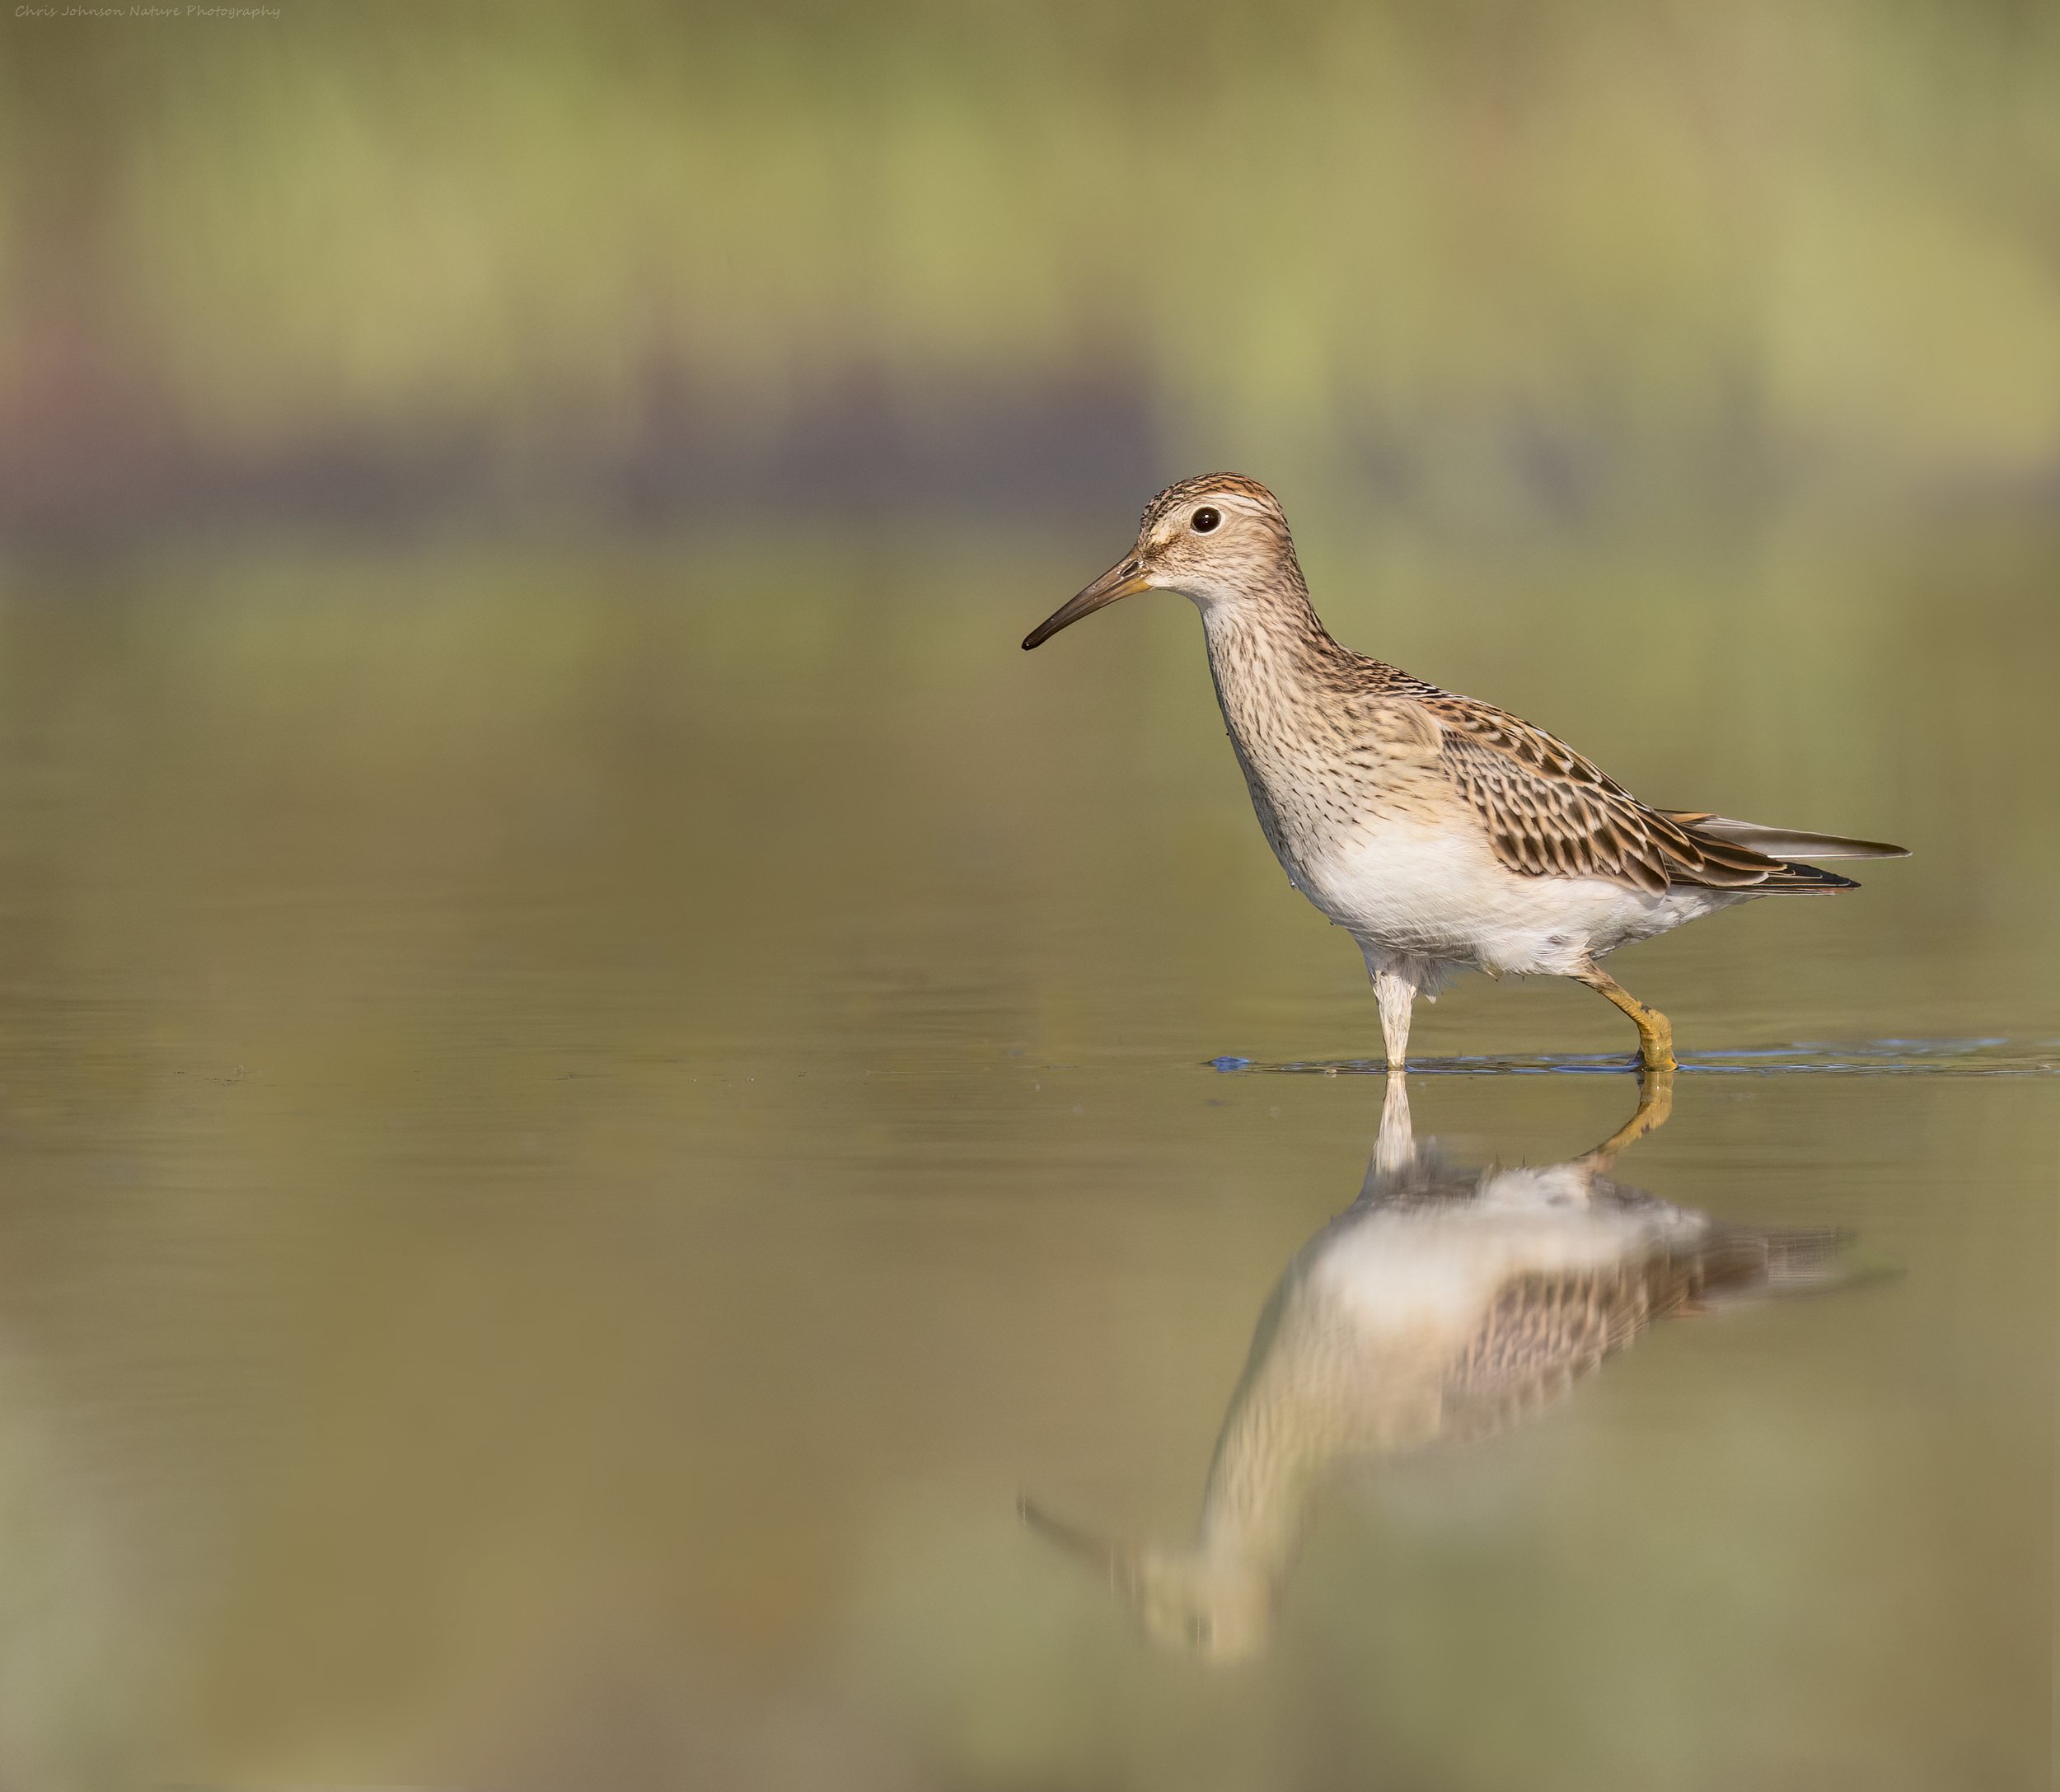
point(1441, 1268)
point(1440, 894)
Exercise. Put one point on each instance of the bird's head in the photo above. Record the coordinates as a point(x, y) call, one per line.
point(1220, 539)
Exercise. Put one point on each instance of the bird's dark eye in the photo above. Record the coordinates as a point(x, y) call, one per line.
point(1204, 520)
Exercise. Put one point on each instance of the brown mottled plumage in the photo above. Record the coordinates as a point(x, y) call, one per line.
point(1444, 832)
point(1443, 1306)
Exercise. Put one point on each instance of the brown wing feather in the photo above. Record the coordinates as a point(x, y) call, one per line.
point(1542, 1335)
point(1550, 812)
point(1784, 843)
point(1545, 1331)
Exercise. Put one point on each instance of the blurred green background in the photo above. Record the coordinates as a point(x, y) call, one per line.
point(1474, 261)
point(596, 1072)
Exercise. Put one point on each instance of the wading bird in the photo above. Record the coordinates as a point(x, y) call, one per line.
point(1443, 1305)
point(1442, 833)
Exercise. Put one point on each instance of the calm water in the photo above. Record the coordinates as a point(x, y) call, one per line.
point(580, 1126)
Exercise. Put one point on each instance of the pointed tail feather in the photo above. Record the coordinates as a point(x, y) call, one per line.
point(1783, 842)
point(1806, 880)
point(1744, 1262)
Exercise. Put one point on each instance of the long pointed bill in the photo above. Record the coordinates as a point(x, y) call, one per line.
point(1109, 1560)
point(1120, 580)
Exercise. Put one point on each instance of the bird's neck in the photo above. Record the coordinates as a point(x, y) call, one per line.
point(1330, 1382)
point(1259, 1486)
point(1270, 656)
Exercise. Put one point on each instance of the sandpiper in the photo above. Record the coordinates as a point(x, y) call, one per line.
point(1442, 833)
point(1445, 1304)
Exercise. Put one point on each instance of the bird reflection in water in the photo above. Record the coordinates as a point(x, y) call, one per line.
point(1442, 1305)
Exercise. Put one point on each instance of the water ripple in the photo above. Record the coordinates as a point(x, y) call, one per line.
point(1989, 1057)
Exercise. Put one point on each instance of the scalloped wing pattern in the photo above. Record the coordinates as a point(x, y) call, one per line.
point(1549, 812)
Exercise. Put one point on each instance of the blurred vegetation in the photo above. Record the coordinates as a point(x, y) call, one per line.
point(1471, 256)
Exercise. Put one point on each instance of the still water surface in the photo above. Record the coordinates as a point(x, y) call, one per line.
point(581, 1128)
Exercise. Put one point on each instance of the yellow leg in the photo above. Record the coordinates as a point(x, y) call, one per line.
point(1656, 1033)
point(1655, 1102)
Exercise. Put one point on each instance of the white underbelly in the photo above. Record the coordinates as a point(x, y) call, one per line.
point(1441, 894)
point(1443, 1266)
